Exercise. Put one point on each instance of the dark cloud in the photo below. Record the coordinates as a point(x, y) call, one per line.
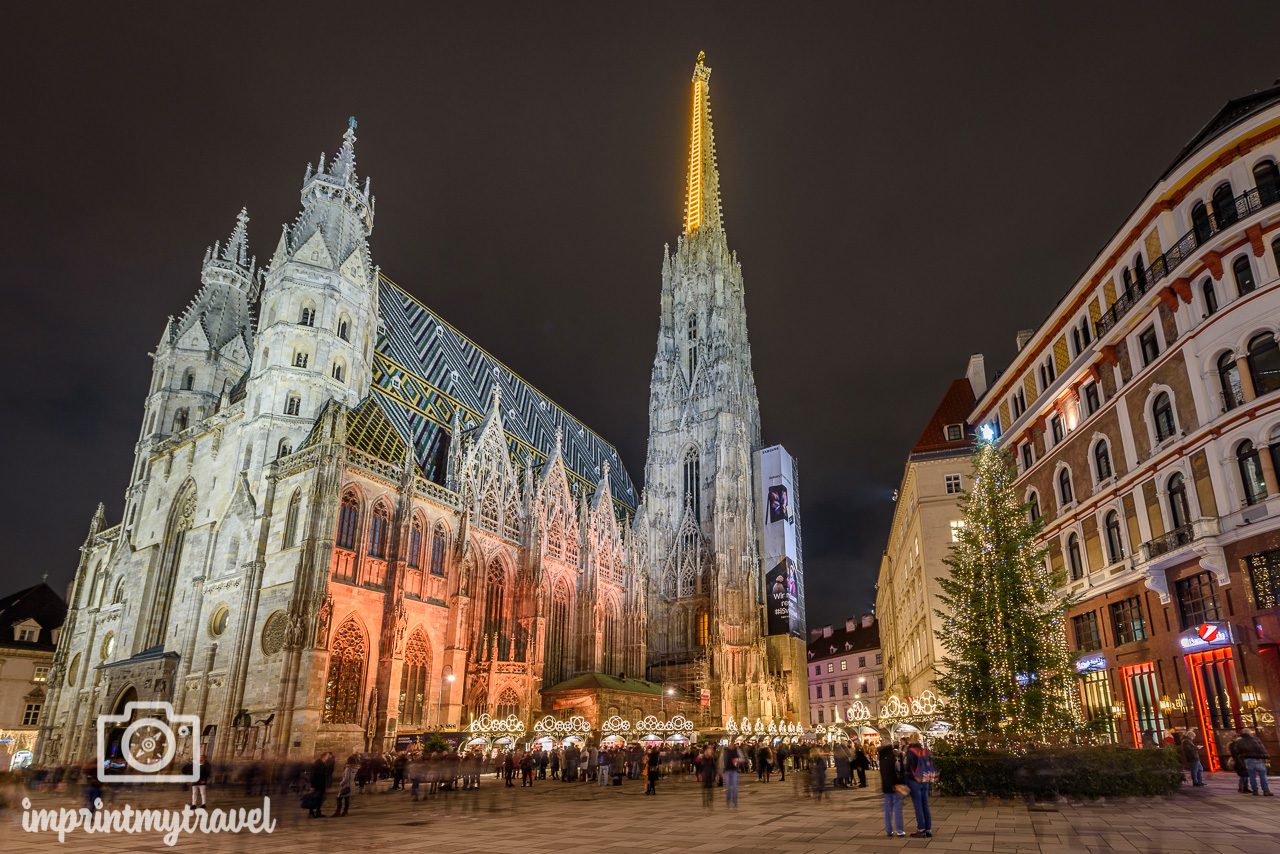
point(904, 184)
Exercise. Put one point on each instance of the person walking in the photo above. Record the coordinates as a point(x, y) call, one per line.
point(860, 765)
point(730, 759)
point(602, 767)
point(509, 768)
point(818, 773)
point(892, 788)
point(554, 762)
point(201, 785)
point(651, 765)
point(1189, 753)
point(319, 782)
point(346, 784)
point(707, 775)
point(783, 754)
point(1238, 765)
point(921, 774)
point(1255, 762)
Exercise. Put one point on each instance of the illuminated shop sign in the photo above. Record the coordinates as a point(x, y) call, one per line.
point(1206, 635)
point(1091, 663)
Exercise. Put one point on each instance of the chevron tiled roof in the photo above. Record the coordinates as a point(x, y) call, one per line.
point(425, 370)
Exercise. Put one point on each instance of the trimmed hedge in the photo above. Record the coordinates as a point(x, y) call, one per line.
point(1082, 772)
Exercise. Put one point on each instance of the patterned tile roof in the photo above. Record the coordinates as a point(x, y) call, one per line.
point(425, 370)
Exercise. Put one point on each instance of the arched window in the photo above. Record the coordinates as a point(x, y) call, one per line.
point(189, 380)
point(1085, 334)
point(1224, 206)
point(117, 597)
point(1102, 460)
point(1034, 503)
point(693, 483)
point(508, 705)
point(182, 516)
point(348, 520)
point(308, 315)
point(344, 328)
point(1139, 271)
point(1274, 439)
point(413, 679)
point(1074, 559)
point(300, 360)
point(284, 449)
point(1115, 544)
point(494, 626)
point(345, 682)
point(379, 527)
point(1210, 297)
point(691, 344)
point(610, 654)
point(1076, 341)
point(439, 539)
point(291, 517)
point(1200, 223)
point(1267, 180)
point(1229, 379)
point(415, 543)
point(1243, 271)
point(702, 628)
point(557, 666)
point(1255, 485)
point(1064, 486)
point(1127, 276)
point(1179, 509)
point(1275, 251)
point(338, 371)
point(180, 420)
point(1162, 414)
point(1264, 363)
point(292, 405)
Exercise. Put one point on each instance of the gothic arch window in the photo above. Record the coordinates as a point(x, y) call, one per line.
point(1250, 464)
point(691, 343)
point(1243, 272)
point(508, 704)
point(345, 681)
point(494, 626)
point(415, 543)
point(1200, 222)
point(702, 628)
point(413, 679)
point(344, 328)
point(1033, 503)
point(308, 315)
point(1102, 460)
point(1229, 380)
point(339, 371)
point(189, 380)
point(348, 520)
point(379, 528)
point(180, 419)
point(557, 666)
point(489, 511)
point(693, 482)
point(181, 517)
point(1267, 179)
point(1065, 492)
point(1210, 297)
point(439, 540)
point(1179, 509)
point(1162, 416)
point(291, 518)
point(1115, 544)
point(1224, 206)
point(1264, 363)
point(1075, 561)
point(117, 598)
point(284, 449)
point(610, 653)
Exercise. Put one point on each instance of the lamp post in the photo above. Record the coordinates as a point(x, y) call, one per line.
point(1250, 699)
point(448, 678)
point(666, 691)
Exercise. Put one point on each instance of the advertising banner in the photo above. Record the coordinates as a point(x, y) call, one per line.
point(779, 526)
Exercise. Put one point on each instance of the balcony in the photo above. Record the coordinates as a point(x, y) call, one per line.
point(1246, 204)
point(1173, 540)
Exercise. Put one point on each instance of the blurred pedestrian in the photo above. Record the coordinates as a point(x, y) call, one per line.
point(921, 774)
point(1255, 761)
point(892, 789)
point(1189, 753)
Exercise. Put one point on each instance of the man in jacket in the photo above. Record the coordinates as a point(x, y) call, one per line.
point(1255, 761)
point(891, 783)
point(1189, 753)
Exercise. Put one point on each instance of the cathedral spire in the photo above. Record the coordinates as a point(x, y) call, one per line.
point(237, 248)
point(702, 199)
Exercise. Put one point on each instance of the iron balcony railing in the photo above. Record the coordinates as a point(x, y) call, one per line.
point(1246, 204)
point(1175, 539)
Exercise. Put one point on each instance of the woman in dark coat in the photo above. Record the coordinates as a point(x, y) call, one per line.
point(891, 786)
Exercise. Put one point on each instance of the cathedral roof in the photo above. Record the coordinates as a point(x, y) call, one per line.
point(605, 681)
point(425, 371)
point(223, 305)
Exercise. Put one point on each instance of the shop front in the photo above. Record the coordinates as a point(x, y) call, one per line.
point(1209, 659)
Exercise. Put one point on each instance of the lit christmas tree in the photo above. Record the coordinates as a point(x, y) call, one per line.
point(1007, 669)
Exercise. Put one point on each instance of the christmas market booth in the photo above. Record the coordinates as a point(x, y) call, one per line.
point(760, 732)
point(494, 734)
point(550, 733)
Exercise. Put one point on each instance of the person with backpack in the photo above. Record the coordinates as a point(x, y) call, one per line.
point(1255, 759)
point(921, 774)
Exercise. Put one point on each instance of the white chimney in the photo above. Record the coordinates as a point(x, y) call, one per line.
point(850, 624)
point(976, 373)
point(1024, 336)
point(826, 631)
point(867, 620)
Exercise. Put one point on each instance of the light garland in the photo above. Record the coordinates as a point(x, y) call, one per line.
point(487, 726)
point(558, 728)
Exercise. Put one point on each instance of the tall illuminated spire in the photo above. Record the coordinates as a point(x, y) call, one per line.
point(702, 201)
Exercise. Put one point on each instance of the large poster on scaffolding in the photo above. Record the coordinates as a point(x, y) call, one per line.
point(779, 525)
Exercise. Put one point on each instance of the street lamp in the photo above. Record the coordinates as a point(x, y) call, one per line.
point(666, 692)
point(448, 677)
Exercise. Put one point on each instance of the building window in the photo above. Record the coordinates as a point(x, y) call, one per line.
point(31, 714)
point(1264, 576)
point(1197, 600)
point(1055, 426)
point(830, 667)
point(1074, 559)
point(1148, 344)
point(379, 526)
point(820, 718)
point(180, 419)
point(879, 658)
point(955, 432)
point(817, 671)
point(1162, 411)
point(415, 543)
point(345, 681)
point(1102, 460)
point(1179, 510)
point(344, 329)
point(28, 635)
point(862, 661)
point(831, 689)
point(957, 528)
point(1034, 506)
point(1243, 271)
point(1144, 707)
point(1224, 206)
point(844, 689)
point(189, 380)
point(1115, 545)
point(1128, 621)
point(1019, 402)
point(438, 540)
point(1210, 298)
point(338, 372)
point(880, 683)
point(1264, 363)
point(954, 484)
point(1064, 486)
point(1140, 272)
point(1251, 478)
point(691, 343)
point(844, 664)
point(413, 679)
point(308, 316)
point(291, 518)
point(1085, 629)
point(299, 360)
point(1047, 374)
point(348, 519)
point(1091, 399)
point(1229, 380)
point(1267, 179)
point(292, 405)
point(1028, 457)
point(693, 483)
point(41, 674)
point(1200, 223)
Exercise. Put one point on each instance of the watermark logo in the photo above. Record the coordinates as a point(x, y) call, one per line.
point(127, 820)
point(148, 745)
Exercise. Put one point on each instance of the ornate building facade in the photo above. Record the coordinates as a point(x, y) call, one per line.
point(346, 520)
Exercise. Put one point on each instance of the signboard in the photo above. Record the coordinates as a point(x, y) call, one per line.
point(1091, 663)
point(705, 696)
point(778, 518)
point(1206, 636)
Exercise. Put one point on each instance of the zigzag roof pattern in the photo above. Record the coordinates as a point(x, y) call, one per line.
point(427, 372)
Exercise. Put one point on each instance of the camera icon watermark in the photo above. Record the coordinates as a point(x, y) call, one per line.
point(148, 745)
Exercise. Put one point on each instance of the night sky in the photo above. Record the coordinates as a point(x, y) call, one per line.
point(905, 184)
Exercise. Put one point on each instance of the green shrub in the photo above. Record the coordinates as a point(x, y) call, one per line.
point(1082, 772)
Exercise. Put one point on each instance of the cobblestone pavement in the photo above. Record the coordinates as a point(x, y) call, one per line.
point(774, 818)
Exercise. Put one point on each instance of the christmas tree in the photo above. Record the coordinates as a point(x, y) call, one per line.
point(1006, 671)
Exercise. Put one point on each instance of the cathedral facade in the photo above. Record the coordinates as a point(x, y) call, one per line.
point(346, 520)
